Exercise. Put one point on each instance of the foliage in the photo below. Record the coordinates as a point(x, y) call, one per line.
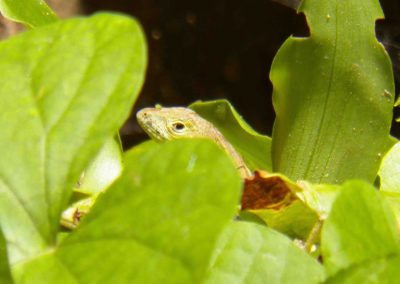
point(31, 13)
point(169, 212)
point(353, 243)
point(254, 147)
point(238, 260)
point(333, 95)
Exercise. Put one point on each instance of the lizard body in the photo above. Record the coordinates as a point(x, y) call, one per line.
point(163, 124)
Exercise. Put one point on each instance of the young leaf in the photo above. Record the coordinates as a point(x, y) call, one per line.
point(31, 13)
point(274, 199)
point(254, 147)
point(333, 95)
point(68, 87)
point(250, 253)
point(360, 229)
point(158, 223)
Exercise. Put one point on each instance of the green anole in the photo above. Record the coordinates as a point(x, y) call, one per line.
point(168, 123)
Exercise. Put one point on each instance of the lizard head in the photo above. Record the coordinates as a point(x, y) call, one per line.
point(169, 123)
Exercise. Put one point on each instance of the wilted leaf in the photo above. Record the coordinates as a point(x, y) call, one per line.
point(291, 208)
point(267, 191)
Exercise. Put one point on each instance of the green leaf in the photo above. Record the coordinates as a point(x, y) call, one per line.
point(5, 273)
point(159, 222)
point(333, 95)
point(250, 253)
point(318, 197)
point(389, 171)
point(360, 228)
point(375, 271)
point(254, 147)
point(295, 220)
point(103, 170)
point(393, 199)
point(59, 104)
point(32, 13)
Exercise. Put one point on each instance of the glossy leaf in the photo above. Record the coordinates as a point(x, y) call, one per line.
point(333, 95)
point(31, 13)
point(254, 147)
point(250, 253)
point(60, 91)
point(360, 228)
point(159, 222)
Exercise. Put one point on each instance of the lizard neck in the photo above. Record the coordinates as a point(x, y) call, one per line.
point(220, 140)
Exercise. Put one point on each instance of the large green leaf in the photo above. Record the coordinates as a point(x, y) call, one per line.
point(254, 147)
point(360, 229)
point(158, 223)
point(250, 253)
point(31, 13)
point(67, 88)
point(333, 95)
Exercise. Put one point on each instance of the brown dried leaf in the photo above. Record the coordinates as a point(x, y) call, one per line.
point(266, 191)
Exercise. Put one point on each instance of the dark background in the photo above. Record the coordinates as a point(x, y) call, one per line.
point(204, 50)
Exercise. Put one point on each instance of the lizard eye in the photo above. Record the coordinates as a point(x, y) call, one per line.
point(178, 126)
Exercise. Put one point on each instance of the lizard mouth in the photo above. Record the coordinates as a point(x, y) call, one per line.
point(154, 133)
point(149, 126)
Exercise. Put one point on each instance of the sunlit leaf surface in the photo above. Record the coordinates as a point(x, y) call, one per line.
point(333, 95)
point(59, 103)
point(158, 223)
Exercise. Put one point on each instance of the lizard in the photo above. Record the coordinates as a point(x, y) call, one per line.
point(163, 124)
point(168, 123)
